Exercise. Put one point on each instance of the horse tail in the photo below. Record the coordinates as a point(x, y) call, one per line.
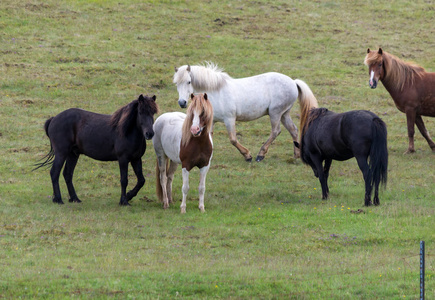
point(307, 101)
point(159, 190)
point(378, 164)
point(47, 159)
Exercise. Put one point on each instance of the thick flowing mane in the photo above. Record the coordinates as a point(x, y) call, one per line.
point(204, 106)
point(125, 117)
point(397, 71)
point(203, 78)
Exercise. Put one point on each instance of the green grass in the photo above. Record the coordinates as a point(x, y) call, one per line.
point(266, 233)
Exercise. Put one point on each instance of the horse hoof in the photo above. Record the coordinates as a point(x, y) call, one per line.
point(259, 158)
point(409, 151)
point(76, 200)
point(183, 210)
point(248, 159)
point(124, 204)
point(58, 201)
point(201, 209)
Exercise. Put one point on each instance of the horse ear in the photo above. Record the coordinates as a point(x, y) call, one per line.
point(141, 98)
point(176, 69)
point(296, 144)
point(368, 50)
point(205, 96)
point(154, 98)
point(191, 96)
point(380, 51)
point(188, 68)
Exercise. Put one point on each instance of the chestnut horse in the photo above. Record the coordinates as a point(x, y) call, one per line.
point(410, 86)
point(121, 136)
point(186, 140)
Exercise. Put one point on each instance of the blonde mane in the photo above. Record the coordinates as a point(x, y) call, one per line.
point(203, 78)
point(397, 71)
point(202, 105)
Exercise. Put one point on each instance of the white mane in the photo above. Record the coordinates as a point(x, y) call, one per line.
point(204, 78)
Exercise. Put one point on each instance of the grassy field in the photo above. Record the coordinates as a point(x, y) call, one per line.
point(266, 233)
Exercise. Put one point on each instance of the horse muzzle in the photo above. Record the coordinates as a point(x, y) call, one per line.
point(373, 84)
point(182, 103)
point(196, 131)
point(149, 135)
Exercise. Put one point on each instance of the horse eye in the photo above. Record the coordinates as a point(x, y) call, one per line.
point(380, 65)
point(188, 82)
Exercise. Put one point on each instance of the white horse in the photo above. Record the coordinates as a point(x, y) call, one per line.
point(186, 140)
point(244, 99)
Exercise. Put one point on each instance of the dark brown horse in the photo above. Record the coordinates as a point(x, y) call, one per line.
point(120, 137)
point(327, 136)
point(410, 86)
point(186, 140)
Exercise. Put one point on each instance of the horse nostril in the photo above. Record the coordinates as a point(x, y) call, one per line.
point(149, 135)
point(182, 103)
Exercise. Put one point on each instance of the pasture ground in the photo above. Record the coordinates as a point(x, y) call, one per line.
point(266, 233)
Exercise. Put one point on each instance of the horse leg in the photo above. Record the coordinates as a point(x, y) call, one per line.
point(231, 128)
point(288, 123)
point(201, 190)
point(171, 171)
point(376, 197)
point(364, 167)
point(424, 132)
point(58, 162)
point(68, 173)
point(410, 120)
point(137, 168)
point(123, 168)
point(276, 130)
point(184, 189)
point(326, 168)
point(319, 170)
point(163, 180)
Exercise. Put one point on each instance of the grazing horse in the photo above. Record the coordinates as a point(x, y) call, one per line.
point(327, 136)
point(243, 99)
point(410, 86)
point(121, 136)
point(186, 140)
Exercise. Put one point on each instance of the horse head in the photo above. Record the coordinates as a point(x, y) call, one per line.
point(183, 80)
point(146, 109)
point(201, 113)
point(375, 62)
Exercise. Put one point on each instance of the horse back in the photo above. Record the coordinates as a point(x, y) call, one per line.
point(340, 136)
point(83, 132)
point(167, 135)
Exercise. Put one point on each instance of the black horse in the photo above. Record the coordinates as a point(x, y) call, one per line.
point(328, 136)
point(120, 137)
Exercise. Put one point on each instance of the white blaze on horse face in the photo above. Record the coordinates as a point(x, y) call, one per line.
point(184, 89)
point(196, 128)
point(372, 74)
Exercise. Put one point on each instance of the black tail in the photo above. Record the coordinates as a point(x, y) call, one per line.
point(378, 164)
point(47, 160)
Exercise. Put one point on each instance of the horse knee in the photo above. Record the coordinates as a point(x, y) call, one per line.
point(124, 181)
point(185, 189)
point(201, 189)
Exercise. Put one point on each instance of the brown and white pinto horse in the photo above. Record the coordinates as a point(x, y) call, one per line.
point(410, 86)
point(186, 140)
